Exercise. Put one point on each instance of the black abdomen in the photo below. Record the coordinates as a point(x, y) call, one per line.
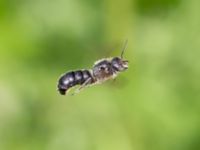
point(71, 79)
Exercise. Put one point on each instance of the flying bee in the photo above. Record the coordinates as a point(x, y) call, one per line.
point(103, 70)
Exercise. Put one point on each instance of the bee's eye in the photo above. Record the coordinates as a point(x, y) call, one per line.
point(102, 68)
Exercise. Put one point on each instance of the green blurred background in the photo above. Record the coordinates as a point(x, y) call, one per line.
point(155, 105)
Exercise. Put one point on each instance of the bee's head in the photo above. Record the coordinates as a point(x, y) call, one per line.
point(119, 64)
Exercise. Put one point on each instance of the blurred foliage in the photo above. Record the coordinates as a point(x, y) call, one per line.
point(152, 106)
point(156, 6)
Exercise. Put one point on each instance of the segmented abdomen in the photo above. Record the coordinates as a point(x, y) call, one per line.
point(71, 79)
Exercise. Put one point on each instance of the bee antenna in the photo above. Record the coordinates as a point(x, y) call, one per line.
point(124, 48)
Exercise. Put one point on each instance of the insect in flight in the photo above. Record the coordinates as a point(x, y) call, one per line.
point(103, 70)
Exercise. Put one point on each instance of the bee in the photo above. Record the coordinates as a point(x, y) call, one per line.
point(103, 70)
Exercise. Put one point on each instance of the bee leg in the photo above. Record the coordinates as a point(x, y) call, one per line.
point(82, 86)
